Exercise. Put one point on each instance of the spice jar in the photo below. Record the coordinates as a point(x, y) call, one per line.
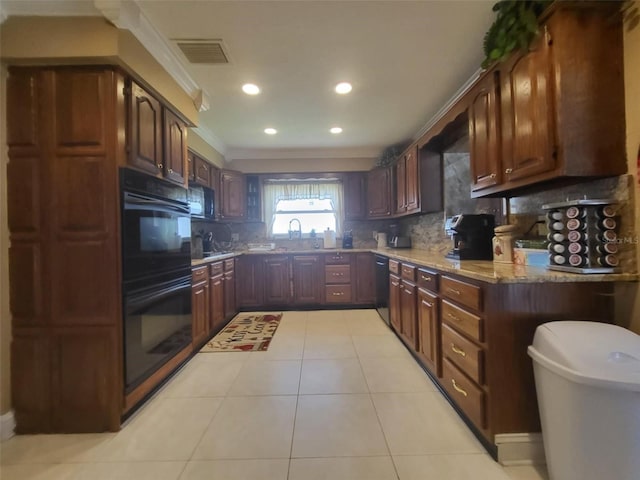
point(503, 243)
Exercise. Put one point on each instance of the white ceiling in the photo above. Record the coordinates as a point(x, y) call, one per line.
point(405, 59)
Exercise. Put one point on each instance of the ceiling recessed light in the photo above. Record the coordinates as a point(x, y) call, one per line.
point(343, 88)
point(250, 89)
point(270, 131)
point(335, 130)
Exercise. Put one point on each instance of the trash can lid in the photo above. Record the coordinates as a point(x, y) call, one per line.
point(590, 353)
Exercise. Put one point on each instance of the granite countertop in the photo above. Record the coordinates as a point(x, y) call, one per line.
point(483, 270)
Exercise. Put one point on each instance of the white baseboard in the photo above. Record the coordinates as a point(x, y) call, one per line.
point(7, 426)
point(520, 448)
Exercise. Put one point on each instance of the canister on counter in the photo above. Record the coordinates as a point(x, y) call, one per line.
point(503, 240)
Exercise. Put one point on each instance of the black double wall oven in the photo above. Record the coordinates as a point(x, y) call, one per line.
point(156, 271)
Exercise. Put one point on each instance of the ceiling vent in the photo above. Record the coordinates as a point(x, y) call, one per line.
point(209, 52)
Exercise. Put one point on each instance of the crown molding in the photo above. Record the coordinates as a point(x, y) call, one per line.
point(211, 138)
point(54, 8)
point(452, 101)
point(126, 14)
point(300, 153)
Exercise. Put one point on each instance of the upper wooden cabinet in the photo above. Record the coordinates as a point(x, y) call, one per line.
point(157, 137)
point(407, 176)
point(254, 198)
point(145, 131)
point(199, 169)
point(561, 105)
point(484, 141)
point(232, 195)
point(379, 192)
point(355, 201)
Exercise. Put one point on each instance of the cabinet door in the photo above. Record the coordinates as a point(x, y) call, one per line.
point(232, 186)
point(483, 134)
point(408, 313)
point(394, 303)
point(202, 172)
point(412, 180)
point(145, 131)
point(307, 279)
point(277, 290)
point(365, 278)
point(191, 166)
point(216, 302)
point(354, 196)
point(175, 148)
point(230, 309)
point(428, 330)
point(200, 313)
point(249, 269)
point(527, 109)
point(379, 192)
point(401, 185)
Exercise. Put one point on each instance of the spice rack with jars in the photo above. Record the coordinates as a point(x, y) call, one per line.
point(583, 236)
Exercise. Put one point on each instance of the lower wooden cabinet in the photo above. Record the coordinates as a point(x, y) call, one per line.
point(429, 331)
point(394, 302)
point(200, 306)
point(230, 308)
point(216, 304)
point(408, 313)
point(364, 278)
point(250, 272)
point(306, 278)
point(277, 288)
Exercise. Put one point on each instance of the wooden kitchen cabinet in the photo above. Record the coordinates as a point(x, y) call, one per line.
point(230, 307)
point(429, 330)
point(200, 306)
point(64, 266)
point(379, 192)
point(254, 198)
point(307, 279)
point(157, 137)
point(355, 200)
point(484, 133)
point(232, 195)
point(145, 130)
point(199, 169)
point(217, 297)
point(561, 107)
point(277, 285)
point(364, 288)
point(250, 272)
point(407, 180)
point(408, 312)
point(395, 313)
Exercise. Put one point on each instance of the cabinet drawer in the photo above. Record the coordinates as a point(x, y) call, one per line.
point(199, 275)
point(461, 292)
point(215, 269)
point(408, 272)
point(428, 279)
point(337, 273)
point(337, 258)
point(465, 354)
point(469, 397)
point(228, 264)
point(462, 321)
point(338, 293)
point(394, 266)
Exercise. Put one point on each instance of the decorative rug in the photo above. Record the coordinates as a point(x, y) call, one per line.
point(245, 333)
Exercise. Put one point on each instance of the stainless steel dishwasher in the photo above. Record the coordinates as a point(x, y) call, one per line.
point(382, 287)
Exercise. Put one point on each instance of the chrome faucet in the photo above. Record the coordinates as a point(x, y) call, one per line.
point(297, 233)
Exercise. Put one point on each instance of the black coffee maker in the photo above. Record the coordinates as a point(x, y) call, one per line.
point(472, 235)
point(347, 239)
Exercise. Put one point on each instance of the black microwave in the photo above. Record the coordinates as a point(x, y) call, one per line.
point(201, 202)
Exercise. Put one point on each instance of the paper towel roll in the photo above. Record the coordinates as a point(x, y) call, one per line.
point(329, 238)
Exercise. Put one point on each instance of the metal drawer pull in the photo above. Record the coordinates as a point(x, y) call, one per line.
point(408, 291)
point(451, 290)
point(426, 279)
point(453, 317)
point(337, 294)
point(428, 304)
point(458, 389)
point(457, 350)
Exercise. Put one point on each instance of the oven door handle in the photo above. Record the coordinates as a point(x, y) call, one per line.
point(137, 202)
point(137, 300)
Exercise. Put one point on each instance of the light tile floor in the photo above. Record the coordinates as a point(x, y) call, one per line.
point(336, 396)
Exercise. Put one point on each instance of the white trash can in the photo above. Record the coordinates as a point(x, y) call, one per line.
point(587, 378)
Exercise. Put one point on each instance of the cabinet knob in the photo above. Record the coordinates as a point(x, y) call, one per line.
point(493, 175)
point(159, 165)
point(508, 170)
point(171, 170)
